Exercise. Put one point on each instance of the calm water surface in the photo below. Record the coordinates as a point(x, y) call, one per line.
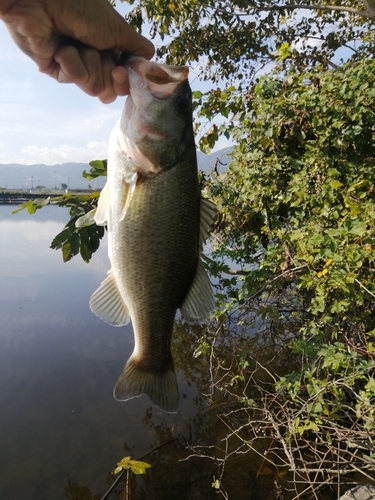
point(58, 367)
point(61, 431)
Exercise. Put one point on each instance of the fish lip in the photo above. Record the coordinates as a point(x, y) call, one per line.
point(157, 76)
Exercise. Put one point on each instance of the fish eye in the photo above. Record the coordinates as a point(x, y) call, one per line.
point(182, 102)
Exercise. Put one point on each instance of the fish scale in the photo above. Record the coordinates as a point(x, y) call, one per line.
point(157, 221)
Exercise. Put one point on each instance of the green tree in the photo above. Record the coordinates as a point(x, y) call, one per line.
point(238, 38)
point(297, 205)
point(232, 43)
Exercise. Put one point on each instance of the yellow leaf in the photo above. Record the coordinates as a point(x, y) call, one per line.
point(136, 466)
point(336, 184)
point(124, 463)
point(139, 467)
point(216, 484)
point(329, 262)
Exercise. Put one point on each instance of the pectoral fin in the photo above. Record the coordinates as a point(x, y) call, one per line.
point(102, 212)
point(130, 186)
point(207, 215)
point(199, 301)
point(107, 304)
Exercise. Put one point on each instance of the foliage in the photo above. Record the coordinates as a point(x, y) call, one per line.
point(236, 39)
point(298, 217)
point(98, 169)
point(77, 237)
point(135, 466)
point(231, 44)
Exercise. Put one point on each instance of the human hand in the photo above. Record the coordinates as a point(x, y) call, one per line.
point(76, 41)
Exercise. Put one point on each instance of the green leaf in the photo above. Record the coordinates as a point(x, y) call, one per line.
point(98, 169)
point(87, 219)
point(32, 205)
point(71, 247)
point(84, 245)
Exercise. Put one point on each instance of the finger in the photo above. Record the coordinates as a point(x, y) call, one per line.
point(130, 41)
point(91, 59)
point(103, 28)
point(107, 94)
point(71, 67)
point(91, 71)
point(120, 79)
point(82, 66)
point(133, 43)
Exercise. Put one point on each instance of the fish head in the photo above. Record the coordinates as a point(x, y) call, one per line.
point(156, 124)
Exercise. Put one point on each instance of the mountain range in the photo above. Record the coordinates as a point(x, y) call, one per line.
point(16, 176)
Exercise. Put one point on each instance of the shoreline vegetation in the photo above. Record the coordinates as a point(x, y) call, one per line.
point(19, 196)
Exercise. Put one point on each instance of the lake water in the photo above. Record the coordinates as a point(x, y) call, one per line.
point(59, 423)
point(61, 431)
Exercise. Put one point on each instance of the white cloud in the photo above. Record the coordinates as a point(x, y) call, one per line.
point(63, 153)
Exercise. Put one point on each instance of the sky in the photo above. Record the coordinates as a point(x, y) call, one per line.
point(42, 121)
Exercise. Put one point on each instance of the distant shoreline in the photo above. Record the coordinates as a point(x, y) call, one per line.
point(14, 197)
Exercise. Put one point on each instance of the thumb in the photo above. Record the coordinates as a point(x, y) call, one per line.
point(131, 42)
point(135, 44)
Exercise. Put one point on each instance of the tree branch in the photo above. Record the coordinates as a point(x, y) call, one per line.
point(370, 7)
point(368, 13)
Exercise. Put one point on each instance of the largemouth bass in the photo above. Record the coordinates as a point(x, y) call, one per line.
point(157, 223)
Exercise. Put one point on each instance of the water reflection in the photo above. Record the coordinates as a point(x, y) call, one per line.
point(61, 430)
point(58, 366)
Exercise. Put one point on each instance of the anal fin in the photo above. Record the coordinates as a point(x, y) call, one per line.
point(107, 304)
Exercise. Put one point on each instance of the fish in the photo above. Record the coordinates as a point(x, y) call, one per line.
point(157, 223)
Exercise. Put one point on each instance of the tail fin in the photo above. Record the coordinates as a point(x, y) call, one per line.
point(161, 387)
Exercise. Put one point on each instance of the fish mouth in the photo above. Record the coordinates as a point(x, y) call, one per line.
point(161, 80)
